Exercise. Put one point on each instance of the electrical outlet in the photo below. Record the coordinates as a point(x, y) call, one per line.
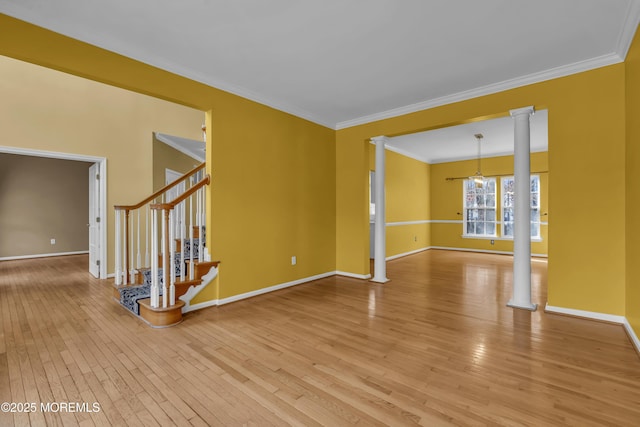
point(53, 241)
point(493, 241)
point(294, 260)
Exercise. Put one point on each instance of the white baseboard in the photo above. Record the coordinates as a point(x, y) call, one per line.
point(273, 288)
point(353, 275)
point(389, 258)
point(632, 335)
point(487, 251)
point(604, 317)
point(200, 305)
point(9, 258)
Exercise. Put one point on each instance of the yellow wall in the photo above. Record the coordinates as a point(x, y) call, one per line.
point(280, 182)
point(408, 199)
point(585, 110)
point(273, 190)
point(447, 202)
point(166, 157)
point(632, 67)
point(43, 109)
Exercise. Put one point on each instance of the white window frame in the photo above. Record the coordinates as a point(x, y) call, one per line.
point(503, 207)
point(465, 214)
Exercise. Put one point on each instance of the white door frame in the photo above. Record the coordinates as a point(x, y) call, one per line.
point(102, 162)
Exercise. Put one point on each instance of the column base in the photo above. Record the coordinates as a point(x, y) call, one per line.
point(530, 306)
point(379, 280)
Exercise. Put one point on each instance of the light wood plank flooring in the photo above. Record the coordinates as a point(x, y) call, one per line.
point(435, 346)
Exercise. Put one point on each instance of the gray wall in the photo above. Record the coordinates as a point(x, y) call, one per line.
point(42, 199)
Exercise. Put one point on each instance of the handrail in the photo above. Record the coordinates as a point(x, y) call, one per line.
point(162, 190)
point(170, 205)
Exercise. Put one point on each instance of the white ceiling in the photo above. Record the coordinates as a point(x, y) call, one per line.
point(341, 63)
point(459, 143)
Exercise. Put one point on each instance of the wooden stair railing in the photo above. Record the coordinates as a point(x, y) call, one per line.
point(126, 225)
point(169, 214)
point(169, 253)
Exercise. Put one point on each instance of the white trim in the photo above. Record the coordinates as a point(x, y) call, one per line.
point(102, 161)
point(554, 73)
point(10, 258)
point(170, 141)
point(447, 221)
point(473, 236)
point(353, 275)
point(628, 29)
point(604, 317)
point(201, 305)
point(195, 290)
point(257, 292)
point(389, 258)
point(487, 251)
point(632, 335)
point(395, 224)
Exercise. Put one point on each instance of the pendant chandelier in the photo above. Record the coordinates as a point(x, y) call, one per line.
point(478, 179)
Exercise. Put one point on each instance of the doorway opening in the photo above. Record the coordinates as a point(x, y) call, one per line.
point(96, 202)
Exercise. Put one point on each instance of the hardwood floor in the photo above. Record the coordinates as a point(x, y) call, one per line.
point(435, 346)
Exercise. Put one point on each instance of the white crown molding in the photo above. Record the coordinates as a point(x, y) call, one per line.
point(554, 73)
point(628, 29)
point(168, 139)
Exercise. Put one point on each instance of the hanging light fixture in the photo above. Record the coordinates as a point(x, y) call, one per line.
point(478, 179)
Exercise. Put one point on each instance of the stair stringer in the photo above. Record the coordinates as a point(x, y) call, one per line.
point(195, 290)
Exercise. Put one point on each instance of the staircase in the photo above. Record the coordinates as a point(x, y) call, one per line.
point(161, 256)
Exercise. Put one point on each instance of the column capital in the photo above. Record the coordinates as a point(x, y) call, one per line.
point(524, 110)
point(380, 138)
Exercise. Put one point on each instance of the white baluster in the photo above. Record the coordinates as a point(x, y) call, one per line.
point(146, 239)
point(139, 256)
point(118, 277)
point(165, 258)
point(199, 194)
point(191, 259)
point(182, 258)
point(131, 252)
point(172, 257)
point(155, 290)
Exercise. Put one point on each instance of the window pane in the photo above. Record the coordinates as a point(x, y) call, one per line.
point(507, 184)
point(508, 199)
point(535, 229)
point(491, 200)
point(490, 228)
point(480, 228)
point(479, 200)
point(508, 229)
point(471, 199)
point(491, 185)
point(535, 215)
point(534, 200)
point(471, 227)
point(535, 184)
point(490, 215)
point(508, 214)
point(481, 214)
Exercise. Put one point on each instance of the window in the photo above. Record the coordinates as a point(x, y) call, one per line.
point(508, 208)
point(480, 208)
